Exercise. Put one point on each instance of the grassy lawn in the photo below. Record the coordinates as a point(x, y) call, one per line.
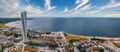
point(3, 26)
point(36, 40)
point(74, 37)
point(14, 51)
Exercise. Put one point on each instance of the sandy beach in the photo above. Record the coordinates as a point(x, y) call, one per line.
point(105, 38)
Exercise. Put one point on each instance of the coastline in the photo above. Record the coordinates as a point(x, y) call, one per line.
point(7, 24)
point(81, 36)
point(104, 38)
point(4, 25)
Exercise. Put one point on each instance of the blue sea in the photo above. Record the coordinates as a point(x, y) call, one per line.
point(104, 27)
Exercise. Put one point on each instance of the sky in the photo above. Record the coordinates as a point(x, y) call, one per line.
point(60, 8)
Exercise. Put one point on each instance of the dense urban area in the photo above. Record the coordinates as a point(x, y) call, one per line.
point(39, 41)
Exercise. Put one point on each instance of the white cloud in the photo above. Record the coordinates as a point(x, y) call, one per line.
point(111, 15)
point(74, 13)
point(33, 10)
point(78, 1)
point(112, 4)
point(27, 2)
point(83, 2)
point(65, 10)
point(94, 11)
point(48, 5)
point(9, 5)
point(78, 8)
point(86, 7)
point(112, 1)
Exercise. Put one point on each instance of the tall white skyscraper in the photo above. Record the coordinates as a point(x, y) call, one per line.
point(24, 26)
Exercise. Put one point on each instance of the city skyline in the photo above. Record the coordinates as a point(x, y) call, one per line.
point(60, 8)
